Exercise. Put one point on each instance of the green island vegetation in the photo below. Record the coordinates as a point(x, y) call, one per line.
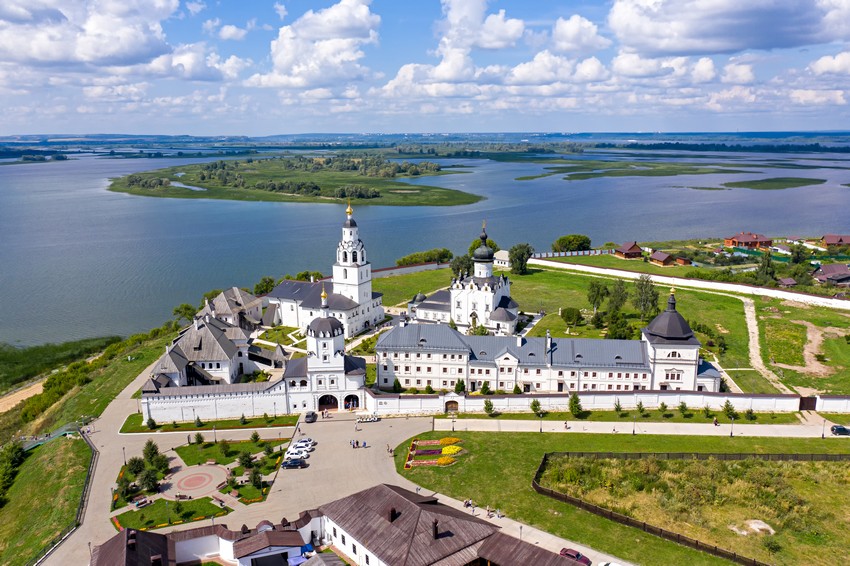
point(46, 491)
point(364, 179)
point(20, 364)
point(581, 169)
point(439, 255)
point(135, 423)
point(501, 466)
point(716, 501)
point(161, 513)
point(774, 184)
point(223, 453)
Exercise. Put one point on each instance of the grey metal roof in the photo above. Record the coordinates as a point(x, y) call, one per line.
point(432, 306)
point(507, 303)
point(706, 369)
point(405, 538)
point(325, 327)
point(230, 302)
point(670, 327)
point(425, 337)
point(297, 367)
point(502, 315)
point(483, 253)
point(310, 294)
point(213, 389)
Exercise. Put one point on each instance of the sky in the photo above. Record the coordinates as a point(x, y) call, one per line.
point(262, 67)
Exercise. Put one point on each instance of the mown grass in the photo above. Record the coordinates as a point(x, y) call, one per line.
point(19, 364)
point(43, 500)
point(393, 192)
point(159, 515)
point(248, 493)
point(278, 334)
point(694, 415)
point(751, 381)
point(402, 288)
point(134, 423)
point(704, 499)
point(611, 261)
point(500, 466)
point(774, 183)
point(194, 454)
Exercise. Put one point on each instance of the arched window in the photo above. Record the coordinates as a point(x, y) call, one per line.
point(345, 274)
point(354, 257)
point(344, 256)
point(303, 383)
point(292, 383)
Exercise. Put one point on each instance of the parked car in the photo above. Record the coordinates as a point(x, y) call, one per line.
point(306, 440)
point(575, 555)
point(295, 453)
point(838, 430)
point(304, 445)
point(293, 464)
point(310, 417)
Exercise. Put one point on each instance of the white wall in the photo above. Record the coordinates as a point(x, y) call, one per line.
point(831, 404)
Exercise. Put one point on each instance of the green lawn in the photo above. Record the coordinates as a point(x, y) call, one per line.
point(672, 415)
point(194, 454)
point(401, 288)
point(249, 494)
point(499, 468)
point(266, 464)
point(393, 192)
point(751, 381)
point(774, 184)
point(158, 515)
point(279, 334)
point(783, 340)
point(613, 262)
point(134, 424)
point(43, 499)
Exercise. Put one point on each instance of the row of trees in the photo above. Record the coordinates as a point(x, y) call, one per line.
point(147, 182)
point(11, 457)
point(440, 255)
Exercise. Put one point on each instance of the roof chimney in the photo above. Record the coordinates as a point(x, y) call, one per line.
point(156, 560)
point(518, 341)
point(548, 348)
point(436, 529)
point(131, 540)
point(196, 323)
point(393, 514)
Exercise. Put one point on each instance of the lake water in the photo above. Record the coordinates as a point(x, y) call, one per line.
point(79, 261)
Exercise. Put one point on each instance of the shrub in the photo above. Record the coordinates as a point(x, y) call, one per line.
point(618, 408)
point(598, 321)
point(488, 407)
point(199, 438)
point(640, 408)
point(255, 436)
point(707, 412)
point(429, 390)
point(445, 461)
point(729, 410)
point(198, 422)
point(135, 465)
point(571, 315)
point(397, 386)
point(148, 480)
point(150, 451)
point(517, 390)
point(243, 420)
point(245, 460)
point(535, 407)
point(151, 423)
point(449, 440)
point(662, 408)
point(268, 450)
point(223, 447)
point(575, 405)
point(160, 463)
point(750, 415)
point(451, 450)
point(413, 390)
point(485, 388)
point(460, 386)
point(683, 408)
point(256, 478)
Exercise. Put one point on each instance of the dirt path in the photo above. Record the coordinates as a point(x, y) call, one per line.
point(9, 401)
point(814, 341)
point(755, 347)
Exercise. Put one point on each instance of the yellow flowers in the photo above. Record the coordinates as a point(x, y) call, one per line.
point(445, 460)
point(449, 440)
point(451, 450)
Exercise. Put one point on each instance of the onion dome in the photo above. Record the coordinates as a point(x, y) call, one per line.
point(325, 327)
point(670, 326)
point(483, 252)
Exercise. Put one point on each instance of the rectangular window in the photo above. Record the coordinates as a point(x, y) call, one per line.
point(428, 356)
point(610, 387)
point(572, 385)
point(487, 372)
point(538, 371)
point(343, 539)
point(618, 387)
point(560, 373)
point(444, 383)
point(460, 371)
point(501, 385)
point(353, 548)
point(525, 371)
point(407, 382)
point(453, 356)
point(418, 355)
point(585, 374)
point(444, 356)
point(593, 386)
point(418, 369)
point(537, 386)
point(584, 386)
point(572, 374)
point(367, 560)
point(334, 532)
point(510, 370)
point(418, 382)
point(594, 374)
point(428, 369)
point(445, 370)
point(385, 381)
point(406, 369)
point(385, 367)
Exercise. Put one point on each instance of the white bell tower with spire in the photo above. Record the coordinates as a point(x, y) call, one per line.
point(352, 274)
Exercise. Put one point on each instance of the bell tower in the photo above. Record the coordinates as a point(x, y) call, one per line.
point(352, 274)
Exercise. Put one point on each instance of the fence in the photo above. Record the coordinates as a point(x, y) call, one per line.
point(48, 549)
point(544, 255)
point(652, 529)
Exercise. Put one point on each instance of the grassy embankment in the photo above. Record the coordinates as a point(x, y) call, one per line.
point(134, 423)
point(695, 415)
point(44, 498)
point(499, 467)
point(774, 183)
point(579, 169)
point(611, 261)
point(20, 364)
point(392, 192)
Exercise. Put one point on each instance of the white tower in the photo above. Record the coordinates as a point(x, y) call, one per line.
point(325, 342)
point(352, 274)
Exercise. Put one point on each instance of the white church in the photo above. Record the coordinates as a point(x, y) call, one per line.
point(350, 296)
point(472, 300)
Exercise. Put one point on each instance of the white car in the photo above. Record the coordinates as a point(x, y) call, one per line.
point(301, 445)
point(305, 440)
point(296, 453)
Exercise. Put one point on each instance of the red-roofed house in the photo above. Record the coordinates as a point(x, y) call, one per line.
point(629, 250)
point(836, 240)
point(836, 273)
point(748, 240)
point(661, 258)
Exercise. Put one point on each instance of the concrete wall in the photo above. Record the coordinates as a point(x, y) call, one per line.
point(830, 404)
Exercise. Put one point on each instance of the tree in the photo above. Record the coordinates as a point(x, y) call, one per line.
point(618, 408)
point(184, 311)
point(123, 485)
point(224, 447)
point(598, 321)
point(396, 386)
point(256, 478)
point(198, 422)
point(766, 272)
point(571, 243)
point(478, 330)
point(208, 296)
point(683, 409)
point(150, 451)
point(135, 465)
point(519, 256)
point(255, 437)
point(488, 407)
point(662, 408)
point(460, 386)
point(477, 242)
point(151, 424)
point(485, 388)
point(535, 407)
point(575, 405)
point(640, 408)
point(799, 254)
point(148, 480)
point(452, 324)
point(268, 450)
point(572, 316)
point(264, 285)
point(617, 297)
point(160, 463)
point(461, 264)
point(429, 390)
point(517, 390)
point(199, 438)
point(597, 291)
point(245, 459)
point(729, 410)
point(618, 327)
point(645, 297)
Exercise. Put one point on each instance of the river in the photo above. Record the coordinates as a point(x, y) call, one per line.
point(80, 261)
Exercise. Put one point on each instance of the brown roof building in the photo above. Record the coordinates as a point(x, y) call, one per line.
point(834, 273)
point(836, 240)
point(748, 240)
point(661, 258)
point(629, 250)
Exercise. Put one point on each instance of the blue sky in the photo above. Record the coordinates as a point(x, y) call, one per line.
point(259, 67)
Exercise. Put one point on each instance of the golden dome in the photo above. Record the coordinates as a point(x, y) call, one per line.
point(324, 293)
point(349, 210)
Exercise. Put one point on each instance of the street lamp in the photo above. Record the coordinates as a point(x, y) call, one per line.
point(453, 422)
point(274, 409)
point(214, 438)
point(634, 425)
point(823, 429)
point(124, 451)
point(732, 428)
point(541, 421)
point(520, 532)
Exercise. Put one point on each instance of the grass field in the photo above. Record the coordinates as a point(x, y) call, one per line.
point(45, 495)
point(705, 499)
point(499, 468)
point(783, 340)
point(774, 184)
point(159, 515)
point(194, 454)
point(613, 262)
point(134, 423)
point(401, 288)
point(393, 192)
point(279, 334)
point(672, 415)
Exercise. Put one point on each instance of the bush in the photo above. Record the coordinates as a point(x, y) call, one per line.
point(517, 389)
point(662, 408)
point(396, 386)
point(683, 408)
point(223, 447)
point(243, 420)
point(151, 423)
point(707, 412)
point(575, 405)
point(148, 481)
point(429, 390)
point(198, 422)
point(460, 386)
point(750, 415)
point(598, 321)
point(413, 390)
point(255, 436)
point(199, 438)
point(268, 450)
point(485, 388)
point(535, 407)
point(150, 451)
point(488, 407)
point(618, 408)
point(729, 410)
point(256, 478)
point(572, 316)
point(640, 408)
point(135, 465)
point(245, 460)
point(160, 463)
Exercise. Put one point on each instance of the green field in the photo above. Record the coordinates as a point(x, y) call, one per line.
point(134, 423)
point(774, 184)
point(43, 498)
point(279, 335)
point(402, 288)
point(161, 514)
point(613, 262)
point(499, 468)
point(579, 169)
point(392, 192)
point(693, 415)
point(194, 454)
point(705, 499)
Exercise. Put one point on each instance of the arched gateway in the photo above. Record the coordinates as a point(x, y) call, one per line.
point(328, 403)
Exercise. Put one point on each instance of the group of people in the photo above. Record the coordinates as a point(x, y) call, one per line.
point(326, 414)
point(358, 444)
point(470, 504)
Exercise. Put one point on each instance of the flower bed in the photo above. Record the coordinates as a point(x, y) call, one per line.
point(425, 457)
point(451, 450)
point(427, 452)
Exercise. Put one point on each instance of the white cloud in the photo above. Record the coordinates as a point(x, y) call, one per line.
point(703, 71)
point(810, 97)
point(736, 73)
point(280, 10)
point(232, 32)
point(725, 99)
point(196, 62)
point(633, 65)
point(195, 7)
point(577, 35)
point(724, 26)
point(465, 26)
point(543, 69)
point(322, 48)
point(590, 70)
point(211, 25)
point(838, 65)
